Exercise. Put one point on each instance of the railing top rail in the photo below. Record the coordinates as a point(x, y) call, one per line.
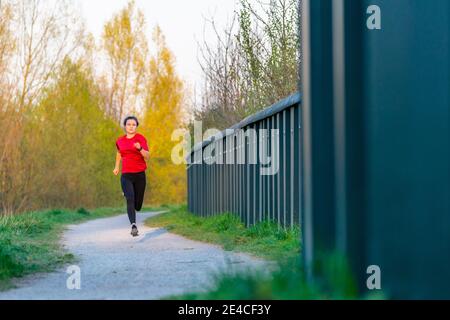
point(263, 114)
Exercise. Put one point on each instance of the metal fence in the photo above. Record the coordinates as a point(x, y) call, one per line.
point(368, 172)
point(376, 141)
point(251, 169)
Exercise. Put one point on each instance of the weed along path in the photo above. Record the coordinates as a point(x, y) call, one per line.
point(113, 265)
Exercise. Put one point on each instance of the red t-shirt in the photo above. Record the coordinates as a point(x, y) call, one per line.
point(132, 159)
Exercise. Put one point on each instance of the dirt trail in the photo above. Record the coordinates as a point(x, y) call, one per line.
point(114, 265)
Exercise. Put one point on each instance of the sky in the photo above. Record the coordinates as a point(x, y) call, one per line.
point(182, 22)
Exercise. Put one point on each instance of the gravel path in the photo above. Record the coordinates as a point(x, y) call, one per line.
point(114, 265)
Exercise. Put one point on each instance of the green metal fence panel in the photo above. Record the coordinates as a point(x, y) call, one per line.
point(235, 182)
point(375, 117)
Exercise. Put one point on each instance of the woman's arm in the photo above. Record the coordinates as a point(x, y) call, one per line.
point(118, 158)
point(117, 167)
point(145, 154)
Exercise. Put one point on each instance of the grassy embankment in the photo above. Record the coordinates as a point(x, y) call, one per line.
point(265, 240)
point(30, 242)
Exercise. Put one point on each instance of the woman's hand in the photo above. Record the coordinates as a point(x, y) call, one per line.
point(116, 171)
point(144, 152)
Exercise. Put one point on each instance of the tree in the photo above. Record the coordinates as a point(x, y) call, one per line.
point(164, 113)
point(47, 33)
point(269, 41)
point(7, 46)
point(253, 65)
point(35, 37)
point(69, 136)
point(221, 103)
point(126, 47)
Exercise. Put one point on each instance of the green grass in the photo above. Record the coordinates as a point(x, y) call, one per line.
point(29, 242)
point(284, 284)
point(266, 240)
point(333, 281)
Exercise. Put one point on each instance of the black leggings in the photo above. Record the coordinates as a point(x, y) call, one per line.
point(133, 187)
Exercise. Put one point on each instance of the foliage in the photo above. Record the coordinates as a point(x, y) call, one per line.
point(62, 96)
point(68, 135)
point(164, 114)
point(126, 48)
point(254, 64)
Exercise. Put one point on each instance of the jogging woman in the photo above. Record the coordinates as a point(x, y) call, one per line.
point(132, 149)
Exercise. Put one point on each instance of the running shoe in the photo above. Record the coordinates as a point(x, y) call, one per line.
point(134, 230)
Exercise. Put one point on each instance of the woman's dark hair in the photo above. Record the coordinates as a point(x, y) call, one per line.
point(130, 118)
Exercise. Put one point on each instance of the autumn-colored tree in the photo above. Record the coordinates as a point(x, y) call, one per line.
point(75, 144)
point(35, 38)
point(48, 33)
point(164, 113)
point(6, 51)
point(7, 46)
point(59, 108)
point(126, 48)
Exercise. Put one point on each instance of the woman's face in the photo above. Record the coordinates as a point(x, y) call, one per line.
point(131, 126)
